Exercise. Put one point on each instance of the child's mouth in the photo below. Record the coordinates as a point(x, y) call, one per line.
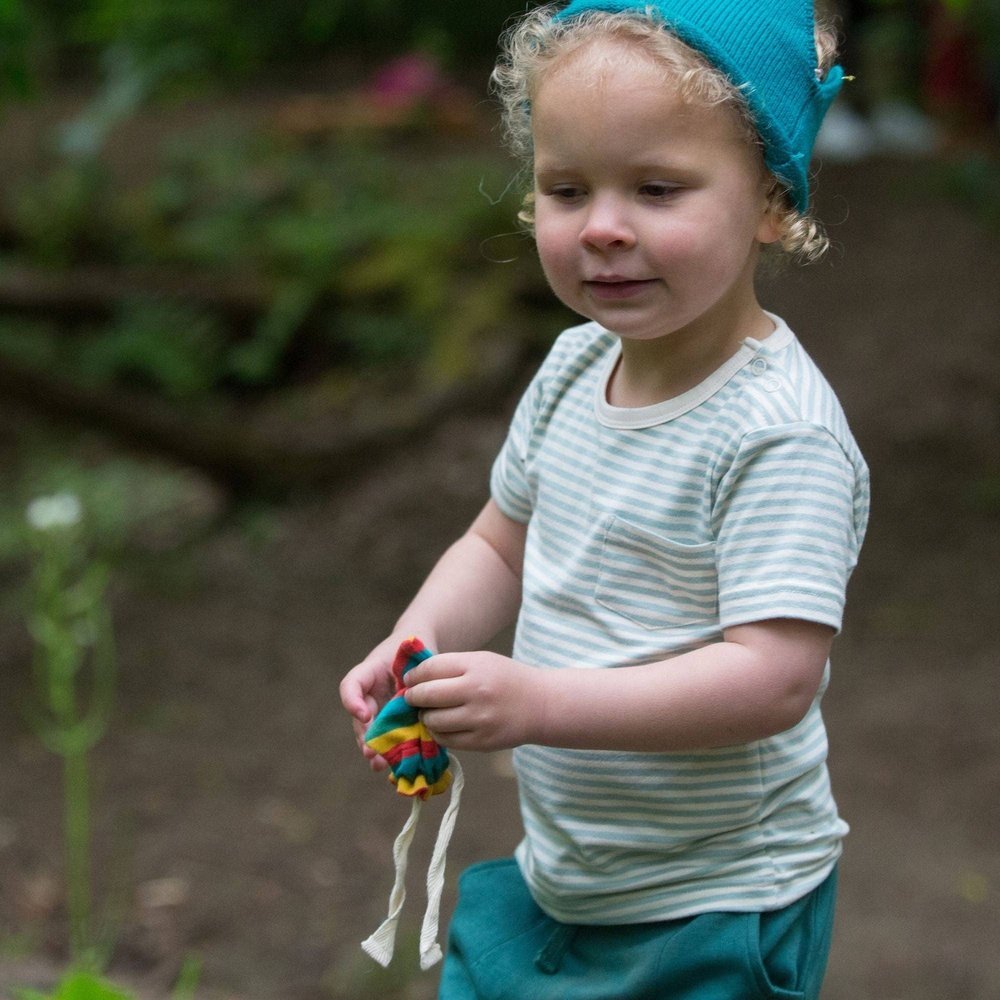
point(617, 288)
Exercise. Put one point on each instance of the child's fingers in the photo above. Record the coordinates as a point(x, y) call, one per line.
point(444, 722)
point(352, 697)
point(439, 667)
point(359, 711)
point(376, 761)
point(437, 693)
point(356, 696)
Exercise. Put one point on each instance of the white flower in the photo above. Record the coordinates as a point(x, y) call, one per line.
point(61, 510)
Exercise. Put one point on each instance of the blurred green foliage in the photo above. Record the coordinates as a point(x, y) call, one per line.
point(361, 248)
point(14, 63)
point(362, 252)
point(360, 243)
point(132, 503)
point(229, 38)
point(974, 182)
point(74, 674)
point(77, 986)
point(984, 15)
point(82, 985)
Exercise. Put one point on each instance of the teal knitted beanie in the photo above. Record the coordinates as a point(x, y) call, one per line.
point(767, 50)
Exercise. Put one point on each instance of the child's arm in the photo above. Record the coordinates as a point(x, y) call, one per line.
point(759, 681)
point(473, 592)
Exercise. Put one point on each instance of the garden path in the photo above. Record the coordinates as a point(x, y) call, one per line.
point(235, 820)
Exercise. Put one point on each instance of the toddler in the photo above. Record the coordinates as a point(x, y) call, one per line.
point(673, 520)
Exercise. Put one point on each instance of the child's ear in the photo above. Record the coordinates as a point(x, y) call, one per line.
point(767, 232)
point(769, 228)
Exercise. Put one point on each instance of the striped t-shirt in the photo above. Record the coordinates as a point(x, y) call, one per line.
point(650, 530)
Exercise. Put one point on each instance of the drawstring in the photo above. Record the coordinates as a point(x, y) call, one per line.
point(549, 959)
point(382, 943)
point(430, 950)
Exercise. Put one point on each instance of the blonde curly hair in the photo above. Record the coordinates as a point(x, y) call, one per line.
point(535, 43)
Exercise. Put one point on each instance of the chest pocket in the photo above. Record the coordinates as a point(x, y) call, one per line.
point(654, 581)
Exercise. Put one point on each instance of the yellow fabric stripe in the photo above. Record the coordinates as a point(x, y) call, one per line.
point(419, 785)
point(388, 740)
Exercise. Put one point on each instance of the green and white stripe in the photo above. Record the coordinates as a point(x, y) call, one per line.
point(650, 531)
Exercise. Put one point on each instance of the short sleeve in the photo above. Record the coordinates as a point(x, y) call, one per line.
point(510, 485)
point(789, 516)
point(571, 367)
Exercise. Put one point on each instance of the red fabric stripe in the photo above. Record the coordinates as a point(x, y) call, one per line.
point(411, 748)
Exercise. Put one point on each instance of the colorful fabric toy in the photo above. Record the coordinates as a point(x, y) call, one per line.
point(419, 767)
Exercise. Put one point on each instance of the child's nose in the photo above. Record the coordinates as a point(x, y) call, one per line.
point(607, 225)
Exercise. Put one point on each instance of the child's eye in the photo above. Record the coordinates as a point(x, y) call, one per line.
point(658, 190)
point(565, 192)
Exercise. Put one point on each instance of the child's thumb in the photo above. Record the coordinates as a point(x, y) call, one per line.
point(355, 703)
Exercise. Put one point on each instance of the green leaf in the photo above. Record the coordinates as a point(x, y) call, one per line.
point(257, 360)
point(15, 76)
point(78, 986)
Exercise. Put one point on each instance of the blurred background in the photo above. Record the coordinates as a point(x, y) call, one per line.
point(265, 310)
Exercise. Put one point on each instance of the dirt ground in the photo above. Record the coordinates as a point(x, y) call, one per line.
point(235, 821)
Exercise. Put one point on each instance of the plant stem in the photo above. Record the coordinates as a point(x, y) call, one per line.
point(77, 826)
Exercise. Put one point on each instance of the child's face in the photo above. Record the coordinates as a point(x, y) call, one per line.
point(649, 211)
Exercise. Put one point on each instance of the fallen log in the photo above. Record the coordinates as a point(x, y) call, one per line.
point(234, 449)
point(90, 292)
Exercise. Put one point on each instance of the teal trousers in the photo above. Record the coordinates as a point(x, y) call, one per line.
point(501, 946)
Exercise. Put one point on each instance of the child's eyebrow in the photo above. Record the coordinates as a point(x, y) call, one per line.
point(660, 168)
point(548, 170)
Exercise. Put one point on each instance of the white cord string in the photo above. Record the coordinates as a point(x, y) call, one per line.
point(382, 944)
point(430, 950)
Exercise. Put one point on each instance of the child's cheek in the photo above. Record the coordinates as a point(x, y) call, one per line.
point(558, 252)
point(688, 248)
point(547, 239)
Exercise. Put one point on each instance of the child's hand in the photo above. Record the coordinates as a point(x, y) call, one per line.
point(366, 688)
point(478, 701)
